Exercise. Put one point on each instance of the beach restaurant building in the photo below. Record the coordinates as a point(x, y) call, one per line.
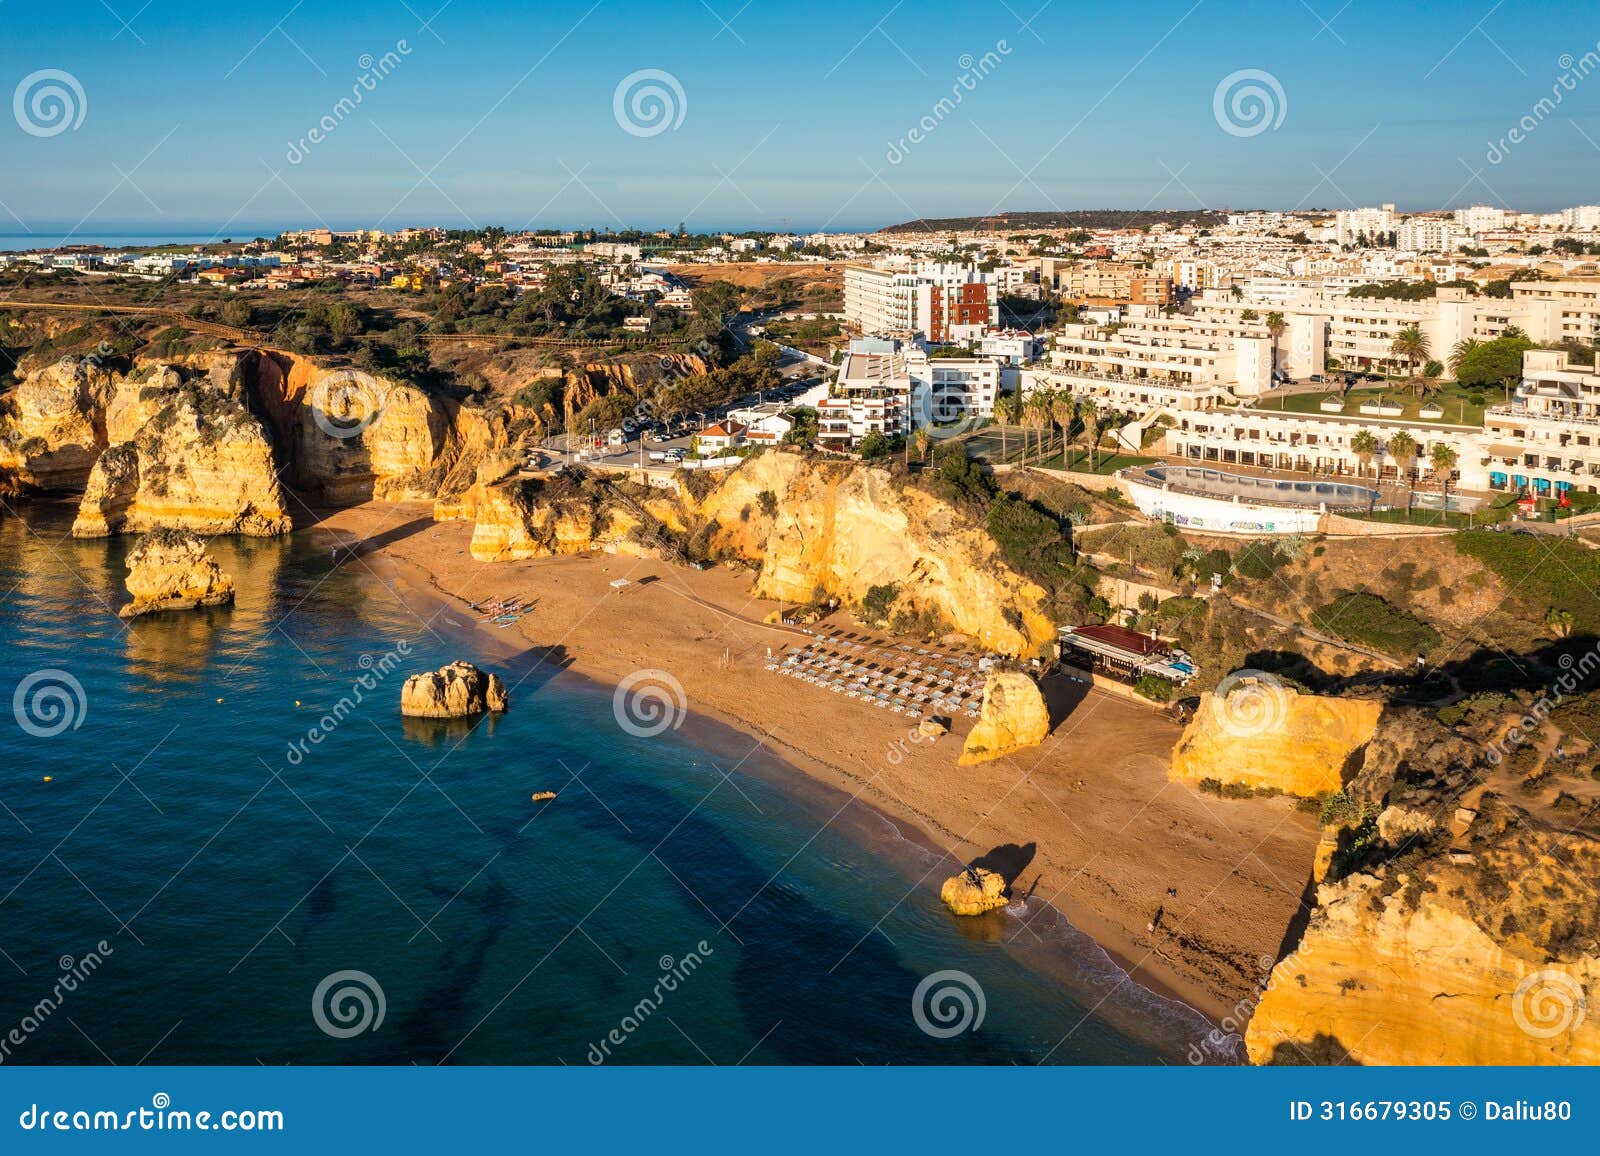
point(1123, 654)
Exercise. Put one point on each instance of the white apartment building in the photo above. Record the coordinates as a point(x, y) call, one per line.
point(927, 300)
point(1359, 331)
point(1352, 224)
point(1548, 439)
point(888, 387)
point(1479, 219)
point(1581, 218)
point(1559, 310)
point(1431, 235)
point(1227, 353)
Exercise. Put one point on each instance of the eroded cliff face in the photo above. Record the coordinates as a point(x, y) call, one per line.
point(1259, 733)
point(212, 442)
point(811, 529)
point(840, 529)
point(1446, 933)
point(53, 425)
point(203, 462)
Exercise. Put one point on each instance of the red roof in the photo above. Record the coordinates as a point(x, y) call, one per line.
point(1123, 638)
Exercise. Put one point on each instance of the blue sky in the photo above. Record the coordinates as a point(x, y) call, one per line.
point(503, 113)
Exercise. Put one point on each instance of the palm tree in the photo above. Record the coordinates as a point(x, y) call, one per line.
point(1036, 417)
point(1089, 413)
point(1365, 446)
point(1411, 346)
point(1443, 458)
point(1276, 327)
point(1006, 408)
point(923, 439)
point(1403, 449)
point(1558, 622)
point(1459, 353)
point(1065, 413)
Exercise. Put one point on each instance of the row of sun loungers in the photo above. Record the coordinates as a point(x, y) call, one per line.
point(901, 678)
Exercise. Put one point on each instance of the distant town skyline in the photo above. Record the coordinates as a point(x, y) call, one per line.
point(615, 114)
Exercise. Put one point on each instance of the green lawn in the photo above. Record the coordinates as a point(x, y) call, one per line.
point(1456, 401)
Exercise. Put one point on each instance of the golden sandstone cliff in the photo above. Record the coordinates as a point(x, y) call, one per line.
point(170, 570)
point(1454, 926)
point(1014, 716)
point(215, 442)
point(1256, 732)
point(812, 530)
point(974, 891)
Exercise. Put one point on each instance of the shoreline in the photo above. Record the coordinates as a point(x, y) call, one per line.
point(704, 629)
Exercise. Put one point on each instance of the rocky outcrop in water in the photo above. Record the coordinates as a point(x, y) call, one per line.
point(1260, 733)
point(457, 690)
point(170, 570)
point(1014, 716)
point(974, 891)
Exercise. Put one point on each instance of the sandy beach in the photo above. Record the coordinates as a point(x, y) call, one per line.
point(1112, 840)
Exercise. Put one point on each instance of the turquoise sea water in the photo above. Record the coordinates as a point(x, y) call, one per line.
point(687, 891)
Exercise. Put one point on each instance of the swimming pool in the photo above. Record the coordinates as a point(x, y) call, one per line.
point(1257, 491)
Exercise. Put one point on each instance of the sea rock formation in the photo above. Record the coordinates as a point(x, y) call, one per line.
point(52, 425)
point(170, 570)
point(1013, 716)
point(203, 462)
point(974, 891)
point(1453, 926)
point(1260, 733)
point(455, 690)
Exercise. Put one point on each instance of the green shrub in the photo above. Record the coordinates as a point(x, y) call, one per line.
point(1153, 688)
point(1367, 620)
point(875, 605)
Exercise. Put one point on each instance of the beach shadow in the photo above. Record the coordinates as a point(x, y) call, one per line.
point(1061, 696)
point(1009, 860)
point(388, 538)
